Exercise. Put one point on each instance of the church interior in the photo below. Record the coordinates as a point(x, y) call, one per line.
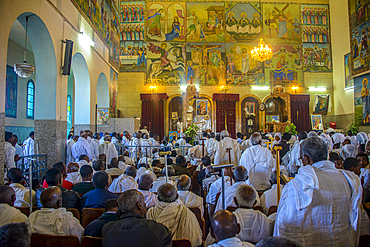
point(170, 67)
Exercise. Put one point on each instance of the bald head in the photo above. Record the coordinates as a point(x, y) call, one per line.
point(167, 193)
point(7, 195)
point(240, 174)
point(224, 225)
point(184, 182)
point(51, 197)
point(145, 181)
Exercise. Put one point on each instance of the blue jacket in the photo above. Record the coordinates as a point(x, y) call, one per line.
point(97, 198)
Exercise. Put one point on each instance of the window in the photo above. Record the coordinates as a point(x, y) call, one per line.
point(69, 109)
point(30, 99)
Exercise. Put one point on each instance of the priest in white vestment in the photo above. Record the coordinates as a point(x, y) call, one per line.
point(182, 223)
point(108, 149)
point(81, 147)
point(69, 145)
point(144, 184)
point(125, 181)
point(8, 213)
point(269, 197)
point(94, 146)
point(188, 198)
point(52, 219)
point(321, 205)
point(29, 145)
point(222, 155)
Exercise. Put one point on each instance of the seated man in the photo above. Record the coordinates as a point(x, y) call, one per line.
point(145, 183)
point(9, 214)
point(94, 229)
point(187, 197)
point(175, 216)
point(216, 187)
point(180, 166)
point(83, 160)
point(162, 180)
point(224, 230)
point(73, 175)
point(52, 219)
point(15, 177)
point(62, 167)
point(202, 175)
point(142, 169)
point(85, 185)
point(132, 229)
point(124, 182)
point(100, 195)
point(114, 170)
point(269, 197)
point(54, 177)
point(99, 165)
point(15, 235)
point(240, 174)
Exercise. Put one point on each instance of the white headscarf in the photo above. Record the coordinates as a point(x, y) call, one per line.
point(338, 138)
point(349, 150)
point(311, 134)
point(362, 138)
point(326, 138)
point(276, 142)
point(353, 140)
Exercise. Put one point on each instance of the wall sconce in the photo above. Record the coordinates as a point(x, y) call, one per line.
point(153, 88)
point(260, 88)
point(295, 89)
point(316, 89)
point(225, 88)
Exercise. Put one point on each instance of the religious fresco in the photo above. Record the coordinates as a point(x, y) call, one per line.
point(282, 23)
point(315, 14)
point(103, 16)
point(285, 67)
point(166, 21)
point(166, 63)
point(241, 69)
point(321, 104)
point(205, 63)
point(348, 70)
point(316, 58)
point(11, 92)
point(133, 56)
point(113, 94)
point(243, 21)
point(362, 100)
point(205, 22)
point(315, 34)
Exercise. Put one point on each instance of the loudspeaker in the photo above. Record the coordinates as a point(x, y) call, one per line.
point(67, 57)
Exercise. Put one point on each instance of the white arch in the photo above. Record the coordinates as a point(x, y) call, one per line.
point(82, 89)
point(102, 91)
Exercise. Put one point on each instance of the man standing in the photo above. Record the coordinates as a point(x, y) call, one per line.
point(180, 126)
point(322, 204)
point(93, 145)
point(81, 147)
point(70, 143)
point(222, 153)
point(9, 150)
point(28, 145)
point(295, 153)
point(18, 149)
point(108, 149)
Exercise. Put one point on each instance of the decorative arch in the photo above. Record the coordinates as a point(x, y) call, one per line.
point(102, 91)
point(246, 121)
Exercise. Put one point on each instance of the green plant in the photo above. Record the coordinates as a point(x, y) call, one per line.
point(191, 132)
point(352, 127)
point(291, 129)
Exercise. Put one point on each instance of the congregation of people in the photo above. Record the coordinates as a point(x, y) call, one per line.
point(152, 192)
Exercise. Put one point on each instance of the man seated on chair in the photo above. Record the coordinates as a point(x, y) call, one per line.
point(62, 168)
point(15, 235)
point(145, 183)
point(53, 219)
point(216, 187)
point(269, 197)
point(15, 178)
point(240, 175)
point(203, 180)
point(94, 229)
point(124, 182)
point(83, 160)
point(100, 195)
point(132, 229)
point(187, 197)
point(73, 175)
point(9, 214)
point(99, 165)
point(54, 177)
point(162, 180)
point(142, 169)
point(225, 229)
point(85, 185)
point(175, 216)
point(180, 166)
point(114, 170)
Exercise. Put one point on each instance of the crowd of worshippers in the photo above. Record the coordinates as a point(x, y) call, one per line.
point(324, 185)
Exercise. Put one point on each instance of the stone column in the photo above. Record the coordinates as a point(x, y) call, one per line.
point(51, 136)
point(2, 153)
point(79, 127)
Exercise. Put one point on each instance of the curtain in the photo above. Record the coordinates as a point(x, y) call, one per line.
point(152, 112)
point(226, 106)
point(300, 111)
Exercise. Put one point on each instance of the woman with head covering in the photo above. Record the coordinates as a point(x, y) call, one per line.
point(362, 138)
point(326, 138)
point(353, 140)
point(277, 138)
point(348, 151)
point(338, 139)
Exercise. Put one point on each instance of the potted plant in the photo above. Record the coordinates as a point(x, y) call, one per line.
point(291, 129)
point(352, 127)
point(191, 132)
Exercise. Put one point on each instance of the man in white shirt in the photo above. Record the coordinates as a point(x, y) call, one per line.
point(15, 177)
point(125, 139)
point(125, 181)
point(180, 126)
point(144, 184)
point(81, 147)
point(295, 153)
point(114, 138)
point(9, 150)
point(222, 153)
point(18, 149)
point(9, 214)
point(93, 145)
point(269, 197)
point(187, 197)
point(70, 142)
point(162, 180)
point(52, 219)
point(259, 162)
point(28, 145)
point(114, 170)
point(135, 143)
point(143, 169)
point(216, 188)
point(108, 149)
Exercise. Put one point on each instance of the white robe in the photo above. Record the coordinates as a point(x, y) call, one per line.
point(215, 188)
point(9, 155)
point(182, 223)
point(74, 177)
point(159, 182)
point(81, 147)
point(260, 163)
point(141, 171)
point(231, 242)
point(269, 198)
point(320, 205)
point(28, 147)
point(222, 156)
point(84, 162)
point(54, 222)
point(229, 197)
point(10, 214)
point(191, 200)
point(151, 199)
point(109, 150)
point(19, 151)
point(123, 183)
point(94, 145)
point(114, 171)
point(22, 194)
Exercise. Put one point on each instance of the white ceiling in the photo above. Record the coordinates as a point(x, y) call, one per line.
point(17, 34)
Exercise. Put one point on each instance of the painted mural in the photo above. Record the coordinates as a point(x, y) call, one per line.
point(243, 21)
point(348, 70)
point(315, 34)
point(315, 14)
point(205, 63)
point(285, 67)
point(316, 58)
point(133, 56)
point(166, 63)
point(11, 92)
point(281, 23)
point(241, 69)
point(166, 21)
point(362, 100)
point(205, 22)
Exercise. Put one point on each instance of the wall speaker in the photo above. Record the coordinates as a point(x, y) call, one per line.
point(67, 57)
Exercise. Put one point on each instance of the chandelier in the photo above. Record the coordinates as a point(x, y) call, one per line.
point(24, 69)
point(261, 52)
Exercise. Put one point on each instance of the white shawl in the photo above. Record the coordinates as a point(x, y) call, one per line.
point(123, 183)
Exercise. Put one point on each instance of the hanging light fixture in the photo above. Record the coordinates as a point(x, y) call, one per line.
point(24, 69)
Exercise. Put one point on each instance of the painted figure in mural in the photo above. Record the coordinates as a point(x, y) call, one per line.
point(365, 100)
point(283, 29)
point(296, 29)
point(199, 34)
point(175, 29)
point(231, 23)
point(230, 64)
point(256, 24)
point(155, 27)
point(282, 72)
point(191, 73)
point(244, 59)
point(272, 22)
point(244, 24)
point(359, 10)
point(355, 48)
point(364, 44)
point(212, 21)
point(141, 60)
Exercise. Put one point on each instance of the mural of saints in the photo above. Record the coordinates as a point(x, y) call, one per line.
point(316, 58)
point(243, 21)
point(206, 63)
point(241, 69)
point(166, 63)
point(362, 100)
